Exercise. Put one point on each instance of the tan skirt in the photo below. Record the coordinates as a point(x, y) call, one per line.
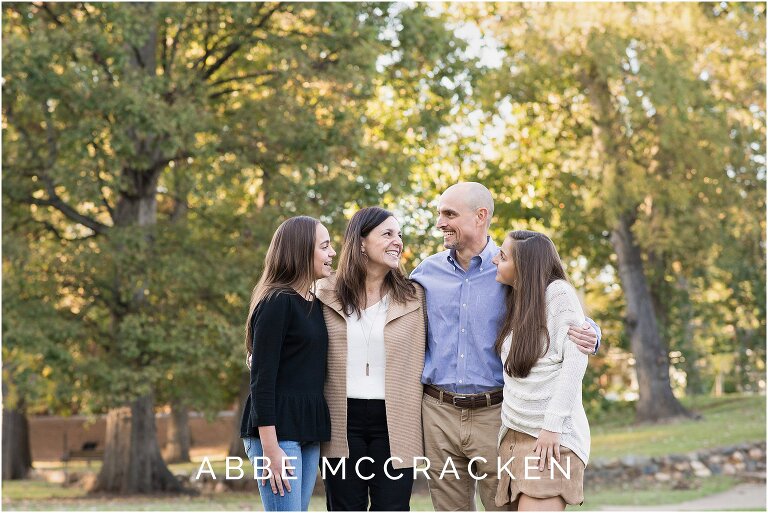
point(540, 485)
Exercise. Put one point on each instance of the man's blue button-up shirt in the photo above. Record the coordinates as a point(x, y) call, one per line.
point(465, 311)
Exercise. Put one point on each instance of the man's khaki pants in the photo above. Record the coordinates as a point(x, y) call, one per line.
point(461, 435)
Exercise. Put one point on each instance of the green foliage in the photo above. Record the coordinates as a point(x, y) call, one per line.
point(226, 119)
point(651, 111)
point(239, 115)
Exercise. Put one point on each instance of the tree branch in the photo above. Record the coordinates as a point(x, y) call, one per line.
point(180, 29)
point(49, 226)
point(51, 14)
point(243, 77)
point(56, 202)
point(232, 48)
point(137, 55)
point(102, 185)
point(217, 94)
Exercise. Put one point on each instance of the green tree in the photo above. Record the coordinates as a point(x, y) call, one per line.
point(629, 130)
point(154, 147)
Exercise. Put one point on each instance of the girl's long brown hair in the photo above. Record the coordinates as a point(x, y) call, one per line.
point(289, 265)
point(536, 265)
point(350, 277)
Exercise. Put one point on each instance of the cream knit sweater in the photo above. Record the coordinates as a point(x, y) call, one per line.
point(550, 396)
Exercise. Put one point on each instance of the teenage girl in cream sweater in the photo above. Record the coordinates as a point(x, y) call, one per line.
point(542, 415)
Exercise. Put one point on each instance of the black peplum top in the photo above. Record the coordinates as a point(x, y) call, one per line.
point(290, 349)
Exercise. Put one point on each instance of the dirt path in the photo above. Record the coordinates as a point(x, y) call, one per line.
point(744, 496)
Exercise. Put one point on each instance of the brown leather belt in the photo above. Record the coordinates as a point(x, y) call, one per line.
point(471, 401)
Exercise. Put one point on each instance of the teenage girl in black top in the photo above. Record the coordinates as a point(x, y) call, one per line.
point(286, 416)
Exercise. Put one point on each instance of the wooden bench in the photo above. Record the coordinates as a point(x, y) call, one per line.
point(88, 452)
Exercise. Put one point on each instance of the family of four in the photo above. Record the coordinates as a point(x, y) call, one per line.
point(479, 355)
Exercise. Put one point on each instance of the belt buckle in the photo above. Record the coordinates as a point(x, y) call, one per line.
point(453, 401)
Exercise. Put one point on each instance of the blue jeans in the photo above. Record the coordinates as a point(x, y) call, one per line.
point(307, 460)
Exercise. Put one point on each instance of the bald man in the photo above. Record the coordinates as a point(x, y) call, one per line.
point(463, 375)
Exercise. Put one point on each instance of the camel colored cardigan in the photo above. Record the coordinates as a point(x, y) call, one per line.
point(405, 342)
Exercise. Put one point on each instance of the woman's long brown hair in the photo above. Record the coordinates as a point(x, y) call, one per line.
point(350, 277)
point(289, 265)
point(537, 264)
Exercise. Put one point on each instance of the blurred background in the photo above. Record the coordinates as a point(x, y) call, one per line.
point(149, 150)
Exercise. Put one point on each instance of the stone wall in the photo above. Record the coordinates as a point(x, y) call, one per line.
point(743, 460)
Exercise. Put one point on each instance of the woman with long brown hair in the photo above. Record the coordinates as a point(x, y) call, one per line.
point(544, 426)
point(286, 415)
point(376, 331)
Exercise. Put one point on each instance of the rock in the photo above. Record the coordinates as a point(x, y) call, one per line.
point(662, 477)
point(220, 487)
point(36, 475)
point(642, 461)
point(682, 466)
point(729, 470)
point(697, 465)
point(736, 457)
point(56, 476)
point(629, 461)
point(716, 458)
point(755, 454)
point(87, 482)
point(702, 472)
point(650, 469)
point(716, 469)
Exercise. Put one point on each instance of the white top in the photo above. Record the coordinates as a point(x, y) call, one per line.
point(365, 344)
point(550, 396)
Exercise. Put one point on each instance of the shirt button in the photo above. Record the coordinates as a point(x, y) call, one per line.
point(460, 381)
point(467, 280)
point(481, 268)
point(462, 356)
point(462, 330)
point(464, 305)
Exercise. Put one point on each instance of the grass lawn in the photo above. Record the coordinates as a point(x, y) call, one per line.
point(36, 495)
point(726, 421)
point(661, 493)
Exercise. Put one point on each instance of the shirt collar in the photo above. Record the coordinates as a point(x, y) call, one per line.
point(486, 255)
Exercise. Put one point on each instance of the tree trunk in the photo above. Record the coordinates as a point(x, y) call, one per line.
point(656, 400)
point(178, 439)
point(132, 462)
point(236, 447)
point(17, 455)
